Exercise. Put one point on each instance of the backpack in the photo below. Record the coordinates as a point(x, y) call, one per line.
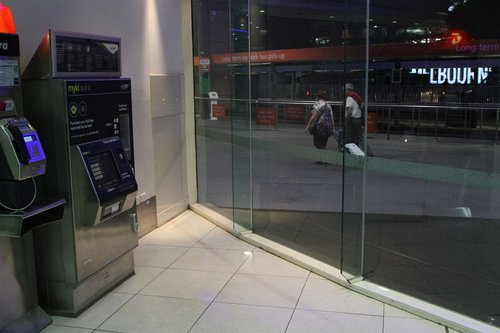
point(324, 123)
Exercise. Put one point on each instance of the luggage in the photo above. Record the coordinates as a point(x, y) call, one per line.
point(351, 148)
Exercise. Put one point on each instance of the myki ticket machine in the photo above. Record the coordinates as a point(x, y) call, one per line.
point(22, 204)
point(74, 95)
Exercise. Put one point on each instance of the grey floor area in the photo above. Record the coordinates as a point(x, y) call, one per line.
point(191, 276)
point(432, 206)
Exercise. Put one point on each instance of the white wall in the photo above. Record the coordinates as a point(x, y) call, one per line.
point(151, 35)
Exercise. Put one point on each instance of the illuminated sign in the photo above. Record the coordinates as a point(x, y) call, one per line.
point(456, 37)
point(454, 75)
point(6, 20)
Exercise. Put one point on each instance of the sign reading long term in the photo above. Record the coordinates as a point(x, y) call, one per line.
point(454, 75)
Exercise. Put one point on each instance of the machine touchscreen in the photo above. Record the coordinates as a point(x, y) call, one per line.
point(103, 169)
point(108, 169)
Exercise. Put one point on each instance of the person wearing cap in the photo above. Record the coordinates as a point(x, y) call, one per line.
point(353, 121)
point(354, 130)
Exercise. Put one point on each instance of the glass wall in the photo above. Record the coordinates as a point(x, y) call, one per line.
point(415, 209)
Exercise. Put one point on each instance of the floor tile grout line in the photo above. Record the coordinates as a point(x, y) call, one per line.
point(128, 301)
point(236, 272)
point(147, 284)
point(383, 317)
point(297, 302)
point(233, 274)
point(215, 297)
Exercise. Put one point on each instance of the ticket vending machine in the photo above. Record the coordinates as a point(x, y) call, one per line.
point(23, 206)
point(75, 96)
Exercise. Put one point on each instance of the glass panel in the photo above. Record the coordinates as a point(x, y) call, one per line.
point(354, 44)
point(241, 114)
point(421, 215)
point(296, 187)
point(431, 213)
point(222, 75)
point(211, 31)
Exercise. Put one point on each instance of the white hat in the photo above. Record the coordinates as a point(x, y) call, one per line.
point(349, 86)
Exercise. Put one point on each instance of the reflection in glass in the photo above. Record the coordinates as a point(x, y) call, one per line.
point(421, 215)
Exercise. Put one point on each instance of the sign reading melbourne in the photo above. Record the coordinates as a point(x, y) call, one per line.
point(454, 75)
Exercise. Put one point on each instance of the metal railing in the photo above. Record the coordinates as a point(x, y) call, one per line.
point(466, 120)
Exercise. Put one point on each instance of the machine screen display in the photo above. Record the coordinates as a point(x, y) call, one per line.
point(9, 73)
point(29, 138)
point(102, 168)
point(86, 55)
point(109, 171)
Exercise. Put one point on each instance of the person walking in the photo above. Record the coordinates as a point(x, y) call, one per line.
point(354, 127)
point(321, 122)
point(353, 121)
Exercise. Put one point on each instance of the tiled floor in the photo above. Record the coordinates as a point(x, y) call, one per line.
point(192, 276)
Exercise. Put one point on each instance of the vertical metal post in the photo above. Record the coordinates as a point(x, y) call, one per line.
point(412, 119)
point(436, 125)
point(388, 123)
point(418, 120)
point(496, 126)
point(481, 123)
point(465, 123)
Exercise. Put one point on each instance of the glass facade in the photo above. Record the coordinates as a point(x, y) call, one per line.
point(416, 209)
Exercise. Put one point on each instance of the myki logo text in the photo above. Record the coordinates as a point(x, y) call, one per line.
point(73, 88)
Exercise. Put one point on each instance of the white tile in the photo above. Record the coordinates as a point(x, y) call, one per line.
point(189, 218)
point(187, 284)
point(407, 325)
point(148, 314)
point(97, 313)
point(238, 318)
point(185, 236)
point(190, 221)
point(328, 296)
point(328, 322)
point(391, 311)
point(143, 276)
point(264, 263)
point(221, 239)
point(157, 255)
point(64, 329)
point(262, 290)
point(186, 230)
point(211, 260)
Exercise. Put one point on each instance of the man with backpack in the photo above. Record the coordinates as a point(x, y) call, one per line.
point(354, 119)
point(353, 114)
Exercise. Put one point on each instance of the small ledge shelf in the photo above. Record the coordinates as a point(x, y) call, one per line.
point(17, 223)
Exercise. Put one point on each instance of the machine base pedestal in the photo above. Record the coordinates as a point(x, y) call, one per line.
point(59, 298)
